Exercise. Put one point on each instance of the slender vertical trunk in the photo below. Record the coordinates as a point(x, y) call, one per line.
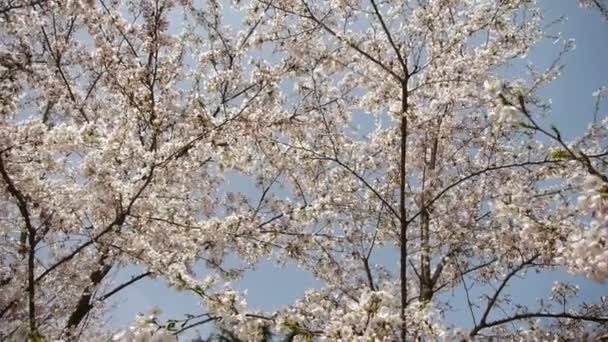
point(31, 285)
point(425, 262)
point(31, 250)
point(402, 211)
point(426, 278)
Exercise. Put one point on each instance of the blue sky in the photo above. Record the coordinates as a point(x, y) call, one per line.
point(270, 286)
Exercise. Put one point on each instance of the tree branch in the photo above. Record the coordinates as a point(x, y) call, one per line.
point(483, 321)
point(31, 234)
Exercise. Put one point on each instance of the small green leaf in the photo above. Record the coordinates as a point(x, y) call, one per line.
point(560, 155)
point(36, 337)
point(604, 191)
point(199, 291)
point(525, 125)
point(292, 325)
point(297, 330)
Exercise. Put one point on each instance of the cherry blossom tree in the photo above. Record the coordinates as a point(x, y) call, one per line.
point(122, 122)
point(116, 129)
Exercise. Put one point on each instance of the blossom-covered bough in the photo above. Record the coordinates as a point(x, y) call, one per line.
point(366, 125)
point(600, 5)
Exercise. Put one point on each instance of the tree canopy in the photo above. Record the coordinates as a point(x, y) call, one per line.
point(363, 124)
